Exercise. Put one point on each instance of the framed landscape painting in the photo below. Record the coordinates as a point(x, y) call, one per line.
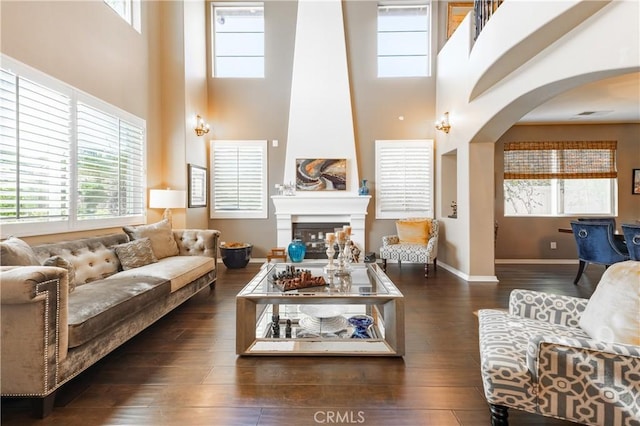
point(321, 174)
point(635, 188)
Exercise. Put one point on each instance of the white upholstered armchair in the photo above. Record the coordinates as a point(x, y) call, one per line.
point(566, 357)
point(416, 241)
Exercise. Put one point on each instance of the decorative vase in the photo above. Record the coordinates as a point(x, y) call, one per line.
point(361, 324)
point(297, 250)
point(236, 255)
point(364, 189)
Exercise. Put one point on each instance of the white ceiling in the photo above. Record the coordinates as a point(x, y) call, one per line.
point(612, 100)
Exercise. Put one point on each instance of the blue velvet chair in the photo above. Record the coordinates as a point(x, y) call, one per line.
point(595, 244)
point(632, 239)
point(609, 219)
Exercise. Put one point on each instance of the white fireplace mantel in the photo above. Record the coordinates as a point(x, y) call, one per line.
point(300, 208)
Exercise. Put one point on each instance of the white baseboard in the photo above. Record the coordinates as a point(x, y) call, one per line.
point(537, 261)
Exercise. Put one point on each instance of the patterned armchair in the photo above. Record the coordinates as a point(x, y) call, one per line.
point(393, 249)
point(560, 356)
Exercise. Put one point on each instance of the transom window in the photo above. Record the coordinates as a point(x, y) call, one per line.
point(403, 41)
point(129, 10)
point(68, 161)
point(560, 178)
point(238, 40)
point(404, 178)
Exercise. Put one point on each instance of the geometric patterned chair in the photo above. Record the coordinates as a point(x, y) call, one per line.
point(424, 252)
point(559, 357)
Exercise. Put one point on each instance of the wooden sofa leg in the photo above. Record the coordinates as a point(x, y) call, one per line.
point(42, 407)
point(384, 265)
point(426, 270)
point(499, 415)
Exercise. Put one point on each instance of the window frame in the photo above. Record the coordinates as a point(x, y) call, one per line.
point(214, 55)
point(429, 199)
point(261, 213)
point(72, 223)
point(428, 35)
point(556, 162)
point(132, 13)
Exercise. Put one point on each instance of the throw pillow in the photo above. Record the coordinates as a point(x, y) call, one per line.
point(15, 252)
point(413, 231)
point(161, 236)
point(613, 311)
point(61, 262)
point(135, 253)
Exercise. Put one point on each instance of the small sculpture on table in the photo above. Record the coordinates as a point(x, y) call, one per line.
point(287, 330)
point(275, 325)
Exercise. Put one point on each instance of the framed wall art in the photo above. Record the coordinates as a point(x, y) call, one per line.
point(456, 13)
point(197, 186)
point(635, 185)
point(321, 174)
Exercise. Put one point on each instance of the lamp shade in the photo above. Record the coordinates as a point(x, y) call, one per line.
point(167, 199)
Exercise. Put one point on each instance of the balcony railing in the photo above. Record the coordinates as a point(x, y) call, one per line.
point(484, 9)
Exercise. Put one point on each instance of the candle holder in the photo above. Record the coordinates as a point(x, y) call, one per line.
point(330, 268)
point(342, 263)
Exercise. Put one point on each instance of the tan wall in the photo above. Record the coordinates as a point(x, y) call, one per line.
point(259, 109)
point(529, 238)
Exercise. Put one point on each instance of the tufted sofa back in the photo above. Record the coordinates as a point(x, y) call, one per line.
point(92, 258)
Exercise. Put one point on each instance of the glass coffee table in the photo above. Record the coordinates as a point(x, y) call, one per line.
point(357, 314)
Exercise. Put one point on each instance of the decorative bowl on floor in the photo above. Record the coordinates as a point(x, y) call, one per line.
point(235, 255)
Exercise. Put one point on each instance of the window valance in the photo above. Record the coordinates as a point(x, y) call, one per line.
point(560, 160)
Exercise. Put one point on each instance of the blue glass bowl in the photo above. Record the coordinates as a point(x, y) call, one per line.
point(361, 321)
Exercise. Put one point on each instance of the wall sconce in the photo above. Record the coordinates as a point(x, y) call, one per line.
point(443, 124)
point(201, 128)
point(167, 199)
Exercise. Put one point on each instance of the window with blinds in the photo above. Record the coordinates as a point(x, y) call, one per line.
point(404, 178)
point(403, 40)
point(556, 178)
point(239, 179)
point(68, 161)
point(238, 40)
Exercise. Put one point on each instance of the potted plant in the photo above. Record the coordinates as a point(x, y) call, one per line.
point(235, 255)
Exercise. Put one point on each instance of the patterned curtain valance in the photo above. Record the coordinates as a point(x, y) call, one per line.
point(560, 160)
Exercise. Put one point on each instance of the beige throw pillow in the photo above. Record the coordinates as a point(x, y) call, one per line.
point(161, 236)
point(613, 311)
point(15, 252)
point(135, 253)
point(61, 262)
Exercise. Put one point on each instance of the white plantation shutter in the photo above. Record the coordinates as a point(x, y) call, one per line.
point(68, 161)
point(110, 165)
point(404, 179)
point(36, 142)
point(238, 179)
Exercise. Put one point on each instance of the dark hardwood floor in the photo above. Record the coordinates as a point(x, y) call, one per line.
point(183, 370)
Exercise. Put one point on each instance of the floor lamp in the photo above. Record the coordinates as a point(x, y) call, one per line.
point(167, 199)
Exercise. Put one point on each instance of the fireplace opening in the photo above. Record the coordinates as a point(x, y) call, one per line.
point(313, 236)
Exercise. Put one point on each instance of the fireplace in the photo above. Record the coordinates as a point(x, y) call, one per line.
point(324, 208)
point(313, 236)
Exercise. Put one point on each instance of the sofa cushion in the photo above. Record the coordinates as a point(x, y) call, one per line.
point(613, 311)
point(61, 262)
point(413, 231)
point(180, 270)
point(135, 253)
point(161, 236)
point(100, 305)
point(15, 252)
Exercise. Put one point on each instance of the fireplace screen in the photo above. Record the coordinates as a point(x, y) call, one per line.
point(313, 236)
point(321, 174)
